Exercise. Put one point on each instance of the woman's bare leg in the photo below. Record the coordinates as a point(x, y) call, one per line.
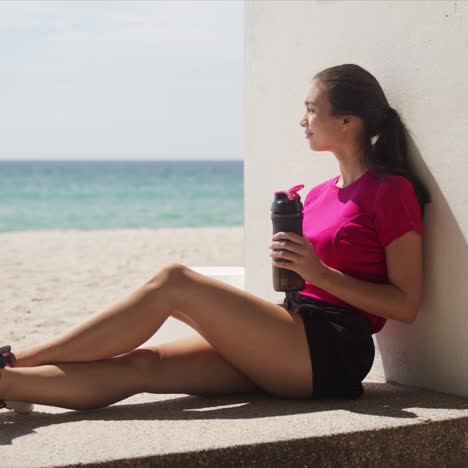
point(189, 365)
point(132, 321)
point(76, 385)
point(264, 341)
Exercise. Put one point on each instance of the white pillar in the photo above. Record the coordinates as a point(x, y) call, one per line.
point(418, 52)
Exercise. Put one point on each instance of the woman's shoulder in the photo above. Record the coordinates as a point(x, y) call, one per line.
point(393, 189)
point(390, 182)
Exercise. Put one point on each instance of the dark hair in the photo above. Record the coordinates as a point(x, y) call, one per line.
point(353, 90)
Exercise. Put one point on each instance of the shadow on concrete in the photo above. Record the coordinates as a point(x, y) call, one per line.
point(379, 399)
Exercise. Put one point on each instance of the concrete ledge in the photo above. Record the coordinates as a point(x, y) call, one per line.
point(389, 426)
point(234, 275)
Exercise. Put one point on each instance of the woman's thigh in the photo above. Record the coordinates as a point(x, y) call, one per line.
point(192, 366)
point(264, 341)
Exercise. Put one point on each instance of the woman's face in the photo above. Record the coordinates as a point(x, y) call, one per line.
point(321, 129)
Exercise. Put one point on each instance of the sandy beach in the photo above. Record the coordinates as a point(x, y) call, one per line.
point(52, 280)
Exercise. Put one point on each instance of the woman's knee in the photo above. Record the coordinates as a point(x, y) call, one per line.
point(143, 359)
point(165, 286)
point(169, 274)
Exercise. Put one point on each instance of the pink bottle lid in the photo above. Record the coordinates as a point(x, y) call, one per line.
point(292, 192)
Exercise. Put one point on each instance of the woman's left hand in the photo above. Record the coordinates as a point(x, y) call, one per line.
point(293, 252)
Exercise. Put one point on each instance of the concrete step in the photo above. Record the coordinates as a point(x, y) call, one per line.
point(389, 426)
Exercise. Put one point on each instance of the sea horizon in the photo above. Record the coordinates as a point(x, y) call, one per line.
point(90, 194)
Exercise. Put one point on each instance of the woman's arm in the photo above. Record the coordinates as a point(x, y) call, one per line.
point(400, 298)
point(382, 299)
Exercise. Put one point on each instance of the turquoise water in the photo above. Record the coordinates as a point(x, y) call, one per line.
point(45, 195)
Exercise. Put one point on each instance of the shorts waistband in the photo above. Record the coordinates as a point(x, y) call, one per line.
point(294, 298)
point(299, 298)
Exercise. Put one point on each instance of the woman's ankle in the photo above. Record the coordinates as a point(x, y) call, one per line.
point(2, 384)
point(5, 383)
point(22, 359)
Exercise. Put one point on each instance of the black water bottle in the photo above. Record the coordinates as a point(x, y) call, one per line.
point(287, 216)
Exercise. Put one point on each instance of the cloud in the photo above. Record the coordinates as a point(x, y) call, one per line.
point(172, 24)
point(121, 78)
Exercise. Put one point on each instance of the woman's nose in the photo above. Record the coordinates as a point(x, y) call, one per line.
point(305, 120)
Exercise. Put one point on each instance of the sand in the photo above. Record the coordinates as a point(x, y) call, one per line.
point(52, 280)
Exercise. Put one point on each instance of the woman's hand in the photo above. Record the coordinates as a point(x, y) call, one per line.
point(293, 252)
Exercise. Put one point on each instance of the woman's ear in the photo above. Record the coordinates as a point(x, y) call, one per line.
point(347, 122)
point(351, 121)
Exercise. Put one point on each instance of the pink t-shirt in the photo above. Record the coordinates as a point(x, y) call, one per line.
point(350, 227)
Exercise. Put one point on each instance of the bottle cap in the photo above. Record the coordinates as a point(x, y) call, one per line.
point(287, 201)
point(292, 192)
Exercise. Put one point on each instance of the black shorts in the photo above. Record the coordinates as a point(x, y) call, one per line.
point(340, 344)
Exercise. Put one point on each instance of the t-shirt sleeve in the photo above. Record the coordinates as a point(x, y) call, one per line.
point(397, 210)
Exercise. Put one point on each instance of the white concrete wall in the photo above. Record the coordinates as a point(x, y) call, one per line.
point(418, 51)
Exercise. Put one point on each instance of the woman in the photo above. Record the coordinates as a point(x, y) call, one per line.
point(361, 258)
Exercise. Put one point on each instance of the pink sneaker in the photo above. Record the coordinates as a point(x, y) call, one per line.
point(7, 359)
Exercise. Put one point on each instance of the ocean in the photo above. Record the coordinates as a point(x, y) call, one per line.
point(85, 195)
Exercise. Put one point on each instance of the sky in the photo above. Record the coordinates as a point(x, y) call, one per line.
point(121, 80)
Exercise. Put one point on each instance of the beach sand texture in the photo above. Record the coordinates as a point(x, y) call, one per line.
point(53, 280)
